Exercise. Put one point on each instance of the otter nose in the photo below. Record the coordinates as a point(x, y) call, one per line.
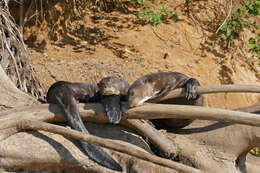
point(132, 104)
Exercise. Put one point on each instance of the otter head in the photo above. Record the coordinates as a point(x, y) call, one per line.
point(139, 92)
point(109, 86)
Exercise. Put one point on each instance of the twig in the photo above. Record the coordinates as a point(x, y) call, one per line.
point(21, 19)
point(15, 64)
point(28, 11)
point(107, 143)
point(41, 11)
point(231, 6)
point(165, 40)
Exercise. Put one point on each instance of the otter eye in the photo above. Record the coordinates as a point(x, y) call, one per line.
point(131, 93)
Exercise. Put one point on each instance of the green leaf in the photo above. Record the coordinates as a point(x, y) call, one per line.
point(223, 36)
point(161, 7)
point(245, 23)
point(142, 2)
point(236, 15)
point(169, 13)
point(252, 41)
point(229, 31)
point(134, 1)
point(235, 24)
point(255, 25)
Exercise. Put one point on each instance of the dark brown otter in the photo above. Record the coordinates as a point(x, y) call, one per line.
point(66, 95)
point(112, 91)
point(155, 85)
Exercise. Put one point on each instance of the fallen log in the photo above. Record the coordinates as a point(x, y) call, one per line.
point(41, 151)
point(163, 111)
point(212, 89)
point(107, 143)
point(95, 113)
point(207, 145)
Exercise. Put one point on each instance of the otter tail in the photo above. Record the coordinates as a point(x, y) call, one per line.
point(112, 107)
point(94, 152)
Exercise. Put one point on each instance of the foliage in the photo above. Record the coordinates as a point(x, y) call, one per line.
point(256, 151)
point(238, 21)
point(254, 45)
point(153, 14)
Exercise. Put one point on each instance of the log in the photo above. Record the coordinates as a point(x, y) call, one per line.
point(209, 146)
point(107, 143)
point(215, 89)
point(218, 146)
point(212, 89)
point(95, 113)
point(41, 151)
point(159, 140)
point(41, 113)
point(163, 111)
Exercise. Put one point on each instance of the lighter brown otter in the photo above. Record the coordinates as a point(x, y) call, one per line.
point(155, 85)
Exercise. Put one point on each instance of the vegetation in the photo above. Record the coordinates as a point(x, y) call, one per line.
point(229, 27)
point(256, 151)
point(239, 20)
point(153, 14)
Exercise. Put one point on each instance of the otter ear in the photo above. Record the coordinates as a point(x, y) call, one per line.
point(145, 80)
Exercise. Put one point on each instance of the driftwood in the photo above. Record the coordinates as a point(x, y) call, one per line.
point(223, 147)
point(160, 111)
point(107, 143)
point(159, 140)
point(41, 112)
point(11, 96)
point(43, 150)
point(213, 89)
point(95, 113)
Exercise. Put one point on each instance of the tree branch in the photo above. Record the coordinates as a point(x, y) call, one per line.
point(212, 89)
point(95, 113)
point(158, 139)
point(163, 111)
point(107, 143)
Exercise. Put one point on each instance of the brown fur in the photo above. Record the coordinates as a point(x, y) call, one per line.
point(156, 85)
point(112, 90)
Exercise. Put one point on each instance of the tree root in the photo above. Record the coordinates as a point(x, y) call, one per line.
point(107, 143)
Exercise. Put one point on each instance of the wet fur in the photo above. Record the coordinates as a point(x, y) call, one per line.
point(66, 95)
point(112, 91)
point(157, 85)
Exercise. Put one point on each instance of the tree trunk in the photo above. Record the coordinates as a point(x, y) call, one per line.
point(12, 97)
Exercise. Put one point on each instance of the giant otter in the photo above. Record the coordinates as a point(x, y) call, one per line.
point(66, 95)
point(155, 85)
point(113, 90)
